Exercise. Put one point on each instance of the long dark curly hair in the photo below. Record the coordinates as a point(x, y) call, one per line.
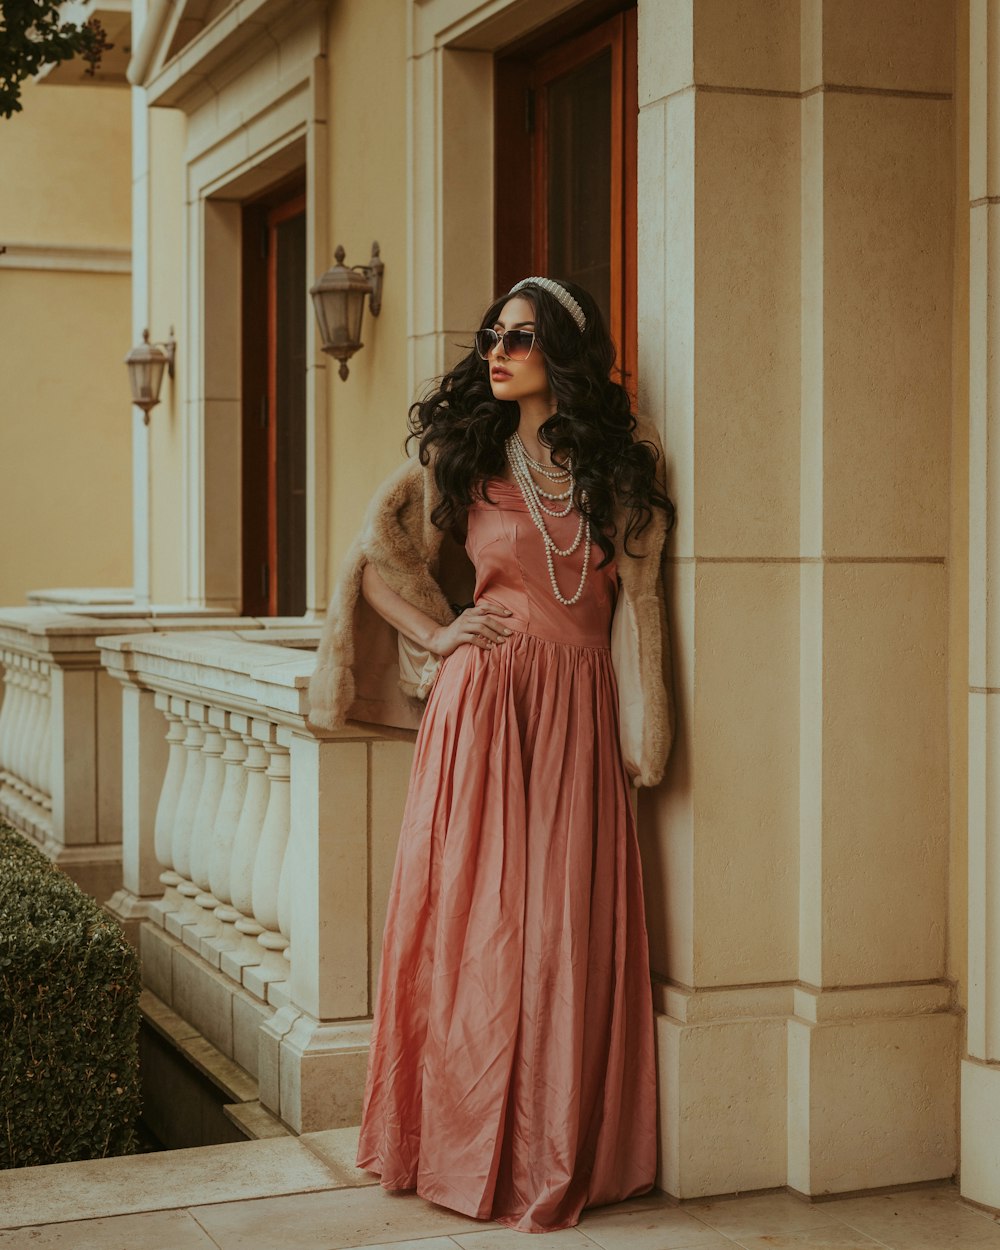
point(591, 428)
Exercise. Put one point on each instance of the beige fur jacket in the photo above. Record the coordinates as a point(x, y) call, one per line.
point(366, 671)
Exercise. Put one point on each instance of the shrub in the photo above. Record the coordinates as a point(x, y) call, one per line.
point(69, 1017)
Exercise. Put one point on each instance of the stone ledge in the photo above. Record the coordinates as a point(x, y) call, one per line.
point(255, 1122)
point(61, 1192)
point(227, 1075)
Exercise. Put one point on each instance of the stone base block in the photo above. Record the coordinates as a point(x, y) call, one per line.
point(204, 998)
point(214, 1004)
point(156, 948)
point(872, 1101)
point(311, 1074)
point(130, 912)
point(980, 1179)
point(722, 1105)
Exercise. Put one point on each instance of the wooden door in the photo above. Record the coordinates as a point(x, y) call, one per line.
point(566, 138)
point(274, 393)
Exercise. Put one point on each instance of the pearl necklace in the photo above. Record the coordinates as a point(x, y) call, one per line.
point(519, 459)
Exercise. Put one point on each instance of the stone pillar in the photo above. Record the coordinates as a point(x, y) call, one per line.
point(874, 1027)
point(346, 801)
point(144, 764)
point(980, 1100)
point(794, 182)
point(64, 735)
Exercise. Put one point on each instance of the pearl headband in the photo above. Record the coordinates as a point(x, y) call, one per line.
point(561, 294)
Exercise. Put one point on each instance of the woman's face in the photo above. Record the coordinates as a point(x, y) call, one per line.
point(518, 379)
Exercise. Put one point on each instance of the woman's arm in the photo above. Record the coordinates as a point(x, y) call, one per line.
point(401, 614)
point(471, 625)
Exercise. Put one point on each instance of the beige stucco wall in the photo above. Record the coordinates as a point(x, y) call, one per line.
point(368, 173)
point(803, 343)
point(65, 432)
point(167, 260)
point(958, 556)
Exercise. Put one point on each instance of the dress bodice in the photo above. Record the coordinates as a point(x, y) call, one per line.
point(508, 554)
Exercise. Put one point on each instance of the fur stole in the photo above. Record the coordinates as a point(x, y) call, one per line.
point(357, 675)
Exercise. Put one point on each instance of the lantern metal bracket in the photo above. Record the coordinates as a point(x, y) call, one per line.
point(340, 294)
point(149, 355)
point(170, 347)
point(373, 272)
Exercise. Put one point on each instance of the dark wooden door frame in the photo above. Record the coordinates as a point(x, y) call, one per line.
point(260, 220)
point(275, 216)
point(521, 235)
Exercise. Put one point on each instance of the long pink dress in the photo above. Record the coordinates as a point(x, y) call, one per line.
point(511, 1073)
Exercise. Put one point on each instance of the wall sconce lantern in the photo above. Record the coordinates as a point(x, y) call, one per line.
point(145, 370)
point(339, 301)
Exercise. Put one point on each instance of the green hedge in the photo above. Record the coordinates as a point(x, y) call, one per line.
point(69, 1017)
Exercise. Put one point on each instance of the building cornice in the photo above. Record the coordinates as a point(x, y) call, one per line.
point(66, 257)
point(182, 80)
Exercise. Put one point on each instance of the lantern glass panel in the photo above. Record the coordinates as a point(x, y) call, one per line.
point(320, 306)
point(355, 313)
point(339, 314)
point(147, 376)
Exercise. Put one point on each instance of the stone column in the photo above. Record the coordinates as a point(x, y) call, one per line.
point(346, 803)
point(66, 739)
point(980, 1101)
point(874, 1027)
point(145, 749)
point(794, 180)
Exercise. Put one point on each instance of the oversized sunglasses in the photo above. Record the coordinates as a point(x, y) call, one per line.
point(517, 344)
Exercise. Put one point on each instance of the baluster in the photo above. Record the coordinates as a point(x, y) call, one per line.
point(40, 752)
point(166, 808)
point(27, 727)
point(7, 706)
point(203, 842)
point(29, 734)
point(187, 803)
point(21, 710)
point(13, 705)
point(248, 836)
point(46, 770)
point(227, 820)
point(286, 901)
point(271, 852)
point(17, 697)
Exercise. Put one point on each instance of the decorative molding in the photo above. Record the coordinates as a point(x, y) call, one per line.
point(181, 80)
point(66, 257)
point(450, 185)
point(269, 121)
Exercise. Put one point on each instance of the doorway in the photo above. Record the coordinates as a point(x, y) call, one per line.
point(566, 126)
point(274, 306)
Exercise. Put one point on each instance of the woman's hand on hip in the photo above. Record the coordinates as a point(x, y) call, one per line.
point(479, 625)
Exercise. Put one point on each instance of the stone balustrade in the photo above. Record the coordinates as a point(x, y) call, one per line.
point(25, 743)
point(60, 723)
point(257, 851)
point(60, 741)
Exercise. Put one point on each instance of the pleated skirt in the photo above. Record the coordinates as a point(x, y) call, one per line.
point(511, 1074)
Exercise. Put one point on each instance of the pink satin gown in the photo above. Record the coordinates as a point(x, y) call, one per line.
point(511, 1074)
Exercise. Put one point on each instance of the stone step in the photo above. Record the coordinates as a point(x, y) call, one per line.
point(254, 1120)
point(58, 1192)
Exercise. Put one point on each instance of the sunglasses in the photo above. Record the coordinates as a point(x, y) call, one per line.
point(517, 344)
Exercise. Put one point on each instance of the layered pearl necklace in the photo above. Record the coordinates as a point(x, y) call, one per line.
point(534, 495)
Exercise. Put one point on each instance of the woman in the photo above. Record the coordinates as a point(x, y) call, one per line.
point(511, 1072)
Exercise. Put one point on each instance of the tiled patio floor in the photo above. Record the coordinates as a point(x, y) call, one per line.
point(304, 1194)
